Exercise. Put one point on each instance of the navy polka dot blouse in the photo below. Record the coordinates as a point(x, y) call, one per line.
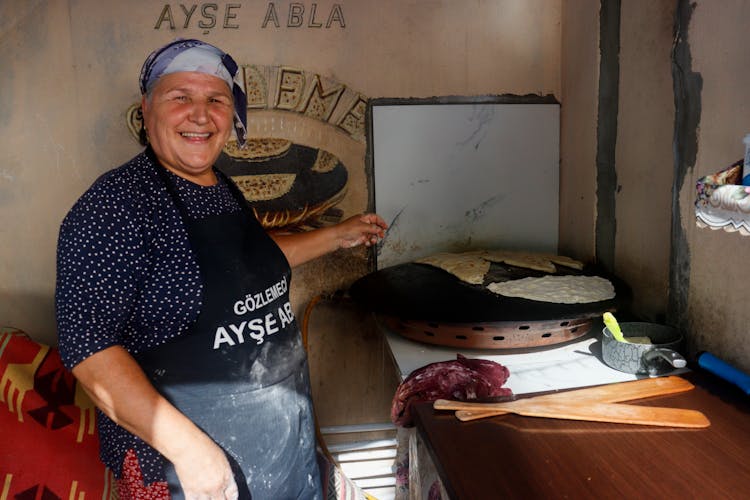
point(126, 276)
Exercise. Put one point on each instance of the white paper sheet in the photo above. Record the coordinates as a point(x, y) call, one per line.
point(575, 364)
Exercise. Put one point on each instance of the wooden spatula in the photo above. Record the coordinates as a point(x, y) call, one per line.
point(611, 393)
point(604, 412)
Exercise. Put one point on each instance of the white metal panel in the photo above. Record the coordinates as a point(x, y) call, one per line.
point(455, 177)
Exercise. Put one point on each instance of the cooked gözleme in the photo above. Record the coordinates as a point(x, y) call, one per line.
point(473, 266)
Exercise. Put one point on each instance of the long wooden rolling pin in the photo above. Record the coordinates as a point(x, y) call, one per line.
point(593, 404)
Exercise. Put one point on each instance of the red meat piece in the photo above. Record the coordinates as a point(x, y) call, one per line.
point(463, 379)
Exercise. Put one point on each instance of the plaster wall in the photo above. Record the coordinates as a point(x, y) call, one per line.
point(70, 69)
point(69, 73)
point(644, 161)
point(579, 70)
point(710, 270)
point(717, 312)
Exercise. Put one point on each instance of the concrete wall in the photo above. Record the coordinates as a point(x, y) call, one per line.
point(70, 71)
point(644, 160)
point(716, 280)
point(579, 71)
point(680, 116)
point(638, 177)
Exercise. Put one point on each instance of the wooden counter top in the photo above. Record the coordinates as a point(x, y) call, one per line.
point(512, 456)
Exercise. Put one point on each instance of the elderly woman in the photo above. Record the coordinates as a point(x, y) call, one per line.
point(173, 304)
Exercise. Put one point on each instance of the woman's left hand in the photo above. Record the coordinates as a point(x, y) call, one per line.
point(364, 229)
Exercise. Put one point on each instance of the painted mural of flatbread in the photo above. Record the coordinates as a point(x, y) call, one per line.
point(258, 148)
point(468, 266)
point(566, 289)
point(264, 187)
point(288, 185)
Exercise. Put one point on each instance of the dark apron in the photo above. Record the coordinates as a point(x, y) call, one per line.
point(240, 372)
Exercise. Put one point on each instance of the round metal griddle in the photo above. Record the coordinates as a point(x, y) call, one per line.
point(427, 304)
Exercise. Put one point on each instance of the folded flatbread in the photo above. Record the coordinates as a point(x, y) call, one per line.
point(563, 260)
point(472, 266)
point(468, 266)
point(537, 262)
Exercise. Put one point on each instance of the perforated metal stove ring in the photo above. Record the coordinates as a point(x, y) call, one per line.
point(496, 335)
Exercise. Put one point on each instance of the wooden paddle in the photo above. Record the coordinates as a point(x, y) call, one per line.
point(593, 404)
point(609, 393)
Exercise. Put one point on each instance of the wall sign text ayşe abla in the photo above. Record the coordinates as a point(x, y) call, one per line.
point(210, 15)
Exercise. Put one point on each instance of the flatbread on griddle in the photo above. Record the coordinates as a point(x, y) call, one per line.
point(468, 266)
point(473, 266)
point(567, 289)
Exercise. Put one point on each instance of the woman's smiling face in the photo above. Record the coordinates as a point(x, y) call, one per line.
point(189, 118)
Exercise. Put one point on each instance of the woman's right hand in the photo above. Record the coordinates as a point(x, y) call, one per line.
point(117, 385)
point(205, 474)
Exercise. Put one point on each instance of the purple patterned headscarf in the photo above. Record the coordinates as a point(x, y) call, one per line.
point(195, 55)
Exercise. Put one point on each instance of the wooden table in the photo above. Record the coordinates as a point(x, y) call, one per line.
point(512, 456)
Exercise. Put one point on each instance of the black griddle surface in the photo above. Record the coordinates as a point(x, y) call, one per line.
point(426, 293)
